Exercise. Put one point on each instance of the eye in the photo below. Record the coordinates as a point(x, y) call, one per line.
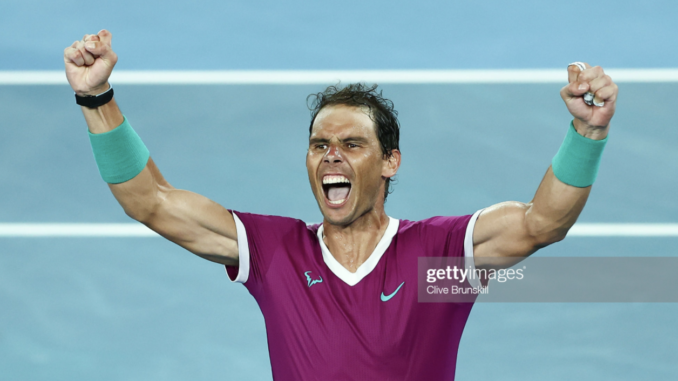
point(352, 145)
point(321, 146)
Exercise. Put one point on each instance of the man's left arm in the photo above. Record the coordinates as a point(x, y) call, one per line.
point(514, 230)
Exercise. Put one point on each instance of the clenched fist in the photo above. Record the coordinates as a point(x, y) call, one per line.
point(591, 121)
point(89, 63)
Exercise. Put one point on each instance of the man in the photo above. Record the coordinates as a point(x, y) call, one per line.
point(340, 299)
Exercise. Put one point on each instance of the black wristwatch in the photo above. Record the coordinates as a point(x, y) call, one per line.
point(94, 101)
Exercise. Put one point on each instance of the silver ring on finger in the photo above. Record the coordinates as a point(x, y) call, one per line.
point(588, 97)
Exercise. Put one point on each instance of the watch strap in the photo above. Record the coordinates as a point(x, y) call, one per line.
point(94, 101)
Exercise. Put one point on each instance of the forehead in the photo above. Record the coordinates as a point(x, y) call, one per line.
point(343, 121)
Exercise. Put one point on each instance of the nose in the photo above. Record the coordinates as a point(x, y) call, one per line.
point(333, 154)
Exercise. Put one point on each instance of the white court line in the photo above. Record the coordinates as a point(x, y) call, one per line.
point(305, 77)
point(138, 230)
point(623, 230)
point(75, 230)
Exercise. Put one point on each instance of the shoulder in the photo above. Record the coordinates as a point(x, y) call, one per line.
point(440, 236)
point(436, 225)
point(273, 225)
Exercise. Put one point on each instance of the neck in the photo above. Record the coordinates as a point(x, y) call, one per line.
point(352, 244)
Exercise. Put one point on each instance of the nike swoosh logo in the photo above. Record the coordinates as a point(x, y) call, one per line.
point(386, 298)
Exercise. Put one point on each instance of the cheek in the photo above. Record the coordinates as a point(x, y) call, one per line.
point(371, 169)
point(313, 161)
point(309, 163)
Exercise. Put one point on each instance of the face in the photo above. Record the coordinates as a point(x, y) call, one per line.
point(346, 167)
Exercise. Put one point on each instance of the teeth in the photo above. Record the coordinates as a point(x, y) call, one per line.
point(336, 202)
point(334, 179)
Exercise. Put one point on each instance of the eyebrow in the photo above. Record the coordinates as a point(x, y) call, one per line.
point(356, 139)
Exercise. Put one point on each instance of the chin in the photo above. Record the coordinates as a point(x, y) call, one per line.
point(337, 217)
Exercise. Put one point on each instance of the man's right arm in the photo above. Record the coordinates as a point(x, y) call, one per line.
point(188, 219)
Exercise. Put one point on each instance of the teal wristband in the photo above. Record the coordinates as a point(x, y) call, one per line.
point(578, 159)
point(120, 154)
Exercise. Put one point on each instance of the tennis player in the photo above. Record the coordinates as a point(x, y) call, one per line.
point(340, 298)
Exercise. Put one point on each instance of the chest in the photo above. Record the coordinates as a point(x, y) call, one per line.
point(304, 298)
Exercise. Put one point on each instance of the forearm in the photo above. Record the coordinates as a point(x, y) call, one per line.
point(554, 209)
point(563, 192)
point(192, 221)
point(513, 229)
point(140, 195)
point(188, 219)
point(104, 118)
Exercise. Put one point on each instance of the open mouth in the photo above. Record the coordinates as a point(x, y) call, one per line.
point(336, 189)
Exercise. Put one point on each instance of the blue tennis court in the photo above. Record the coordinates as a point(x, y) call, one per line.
point(129, 308)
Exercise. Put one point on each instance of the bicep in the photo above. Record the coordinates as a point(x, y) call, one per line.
point(501, 231)
point(197, 224)
point(188, 219)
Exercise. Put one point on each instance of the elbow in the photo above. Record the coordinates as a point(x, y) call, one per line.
point(543, 231)
point(142, 206)
point(137, 214)
point(141, 212)
point(542, 240)
point(552, 238)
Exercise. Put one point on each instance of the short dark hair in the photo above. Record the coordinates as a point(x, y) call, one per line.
point(382, 113)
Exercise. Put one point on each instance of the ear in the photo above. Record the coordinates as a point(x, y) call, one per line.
point(391, 164)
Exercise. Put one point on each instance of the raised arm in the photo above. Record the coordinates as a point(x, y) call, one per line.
point(514, 230)
point(188, 219)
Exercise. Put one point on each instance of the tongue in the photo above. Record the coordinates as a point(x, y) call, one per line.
point(338, 193)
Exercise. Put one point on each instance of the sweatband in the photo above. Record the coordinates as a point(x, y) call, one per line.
point(120, 154)
point(578, 159)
